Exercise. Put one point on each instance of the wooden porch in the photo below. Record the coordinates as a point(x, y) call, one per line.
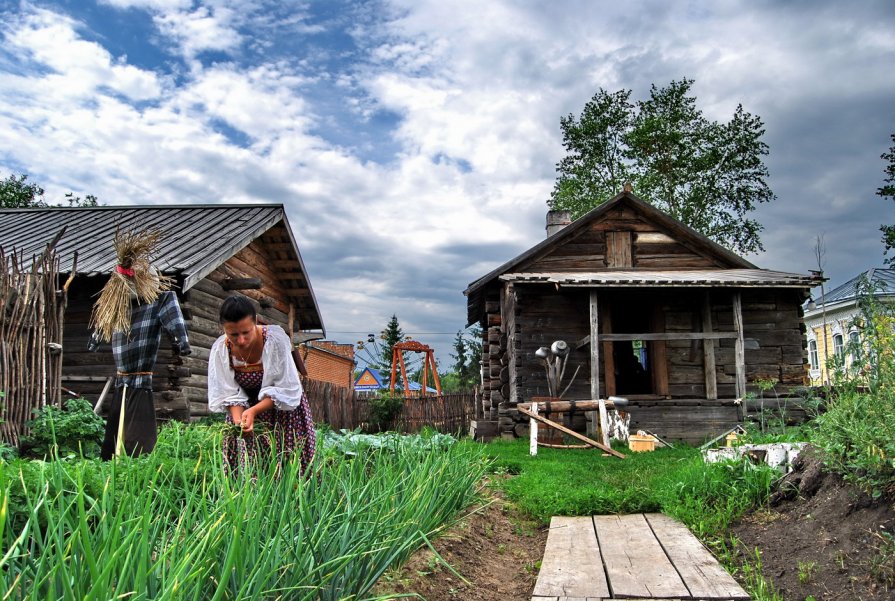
point(637, 556)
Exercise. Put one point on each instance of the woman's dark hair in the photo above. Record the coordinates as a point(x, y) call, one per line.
point(236, 308)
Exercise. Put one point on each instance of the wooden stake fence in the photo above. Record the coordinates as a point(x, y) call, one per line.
point(31, 319)
point(344, 408)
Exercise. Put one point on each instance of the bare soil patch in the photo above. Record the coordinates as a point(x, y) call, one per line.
point(822, 538)
point(495, 547)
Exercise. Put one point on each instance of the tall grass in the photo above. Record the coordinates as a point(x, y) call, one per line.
point(857, 432)
point(182, 529)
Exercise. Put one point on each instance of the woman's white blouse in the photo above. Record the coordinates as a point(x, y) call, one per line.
point(280, 381)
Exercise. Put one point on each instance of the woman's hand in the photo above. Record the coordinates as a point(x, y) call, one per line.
point(247, 421)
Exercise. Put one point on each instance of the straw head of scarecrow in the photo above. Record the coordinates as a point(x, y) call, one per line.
point(134, 279)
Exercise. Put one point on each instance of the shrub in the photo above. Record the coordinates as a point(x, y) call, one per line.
point(384, 408)
point(72, 430)
point(857, 432)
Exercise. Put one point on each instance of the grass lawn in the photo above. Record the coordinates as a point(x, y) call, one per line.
point(584, 482)
point(706, 497)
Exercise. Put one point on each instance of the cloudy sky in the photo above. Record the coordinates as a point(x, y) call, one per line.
point(414, 142)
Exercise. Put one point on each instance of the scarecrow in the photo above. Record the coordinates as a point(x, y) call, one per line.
point(135, 305)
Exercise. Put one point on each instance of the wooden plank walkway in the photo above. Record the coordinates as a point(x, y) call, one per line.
point(638, 556)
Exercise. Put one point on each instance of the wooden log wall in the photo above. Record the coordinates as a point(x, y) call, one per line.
point(544, 315)
point(201, 308)
point(774, 350)
point(494, 391)
point(84, 373)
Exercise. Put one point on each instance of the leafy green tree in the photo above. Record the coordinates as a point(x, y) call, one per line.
point(467, 358)
point(888, 191)
point(19, 193)
point(16, 192)
point(707, 174)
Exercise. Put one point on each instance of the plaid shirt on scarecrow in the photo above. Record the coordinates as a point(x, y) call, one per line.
point(135, 351)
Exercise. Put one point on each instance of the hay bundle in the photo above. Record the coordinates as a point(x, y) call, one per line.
point(133, 278)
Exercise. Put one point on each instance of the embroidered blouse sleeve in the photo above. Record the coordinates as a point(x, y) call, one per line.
point(223, 391)
point(280, 381)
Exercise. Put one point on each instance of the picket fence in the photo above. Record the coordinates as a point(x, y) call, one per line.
point(342, 407)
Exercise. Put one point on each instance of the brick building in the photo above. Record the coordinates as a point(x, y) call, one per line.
point(329, 361)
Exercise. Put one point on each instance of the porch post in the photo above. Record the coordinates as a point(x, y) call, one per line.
point(594, 360)
point(740, 353)
point(708, 347)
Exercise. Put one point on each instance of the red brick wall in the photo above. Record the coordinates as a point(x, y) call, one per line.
point(330, 362)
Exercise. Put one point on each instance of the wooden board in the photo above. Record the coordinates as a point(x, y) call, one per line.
point(636, 565)
point(566, 599)
point(571, 433)
point(708, 348)
point(700, 571)
point(572, 565)
point(594, 315)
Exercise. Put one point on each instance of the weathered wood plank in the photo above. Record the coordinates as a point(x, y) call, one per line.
point(708, 349)
point(572, 564)
point(739, 349)
point(594, 358)
point(636, 565)
point(700, 571)
point(671, 336)
point(571, 433)
point(608, 354)
point(618, 249)
point(568, 599)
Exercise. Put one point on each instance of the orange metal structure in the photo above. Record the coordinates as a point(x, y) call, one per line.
point(429, 363)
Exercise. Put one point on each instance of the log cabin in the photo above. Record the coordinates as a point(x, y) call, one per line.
point(211, 252)
point(652, 310)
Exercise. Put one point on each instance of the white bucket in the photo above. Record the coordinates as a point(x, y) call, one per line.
point(776, 456)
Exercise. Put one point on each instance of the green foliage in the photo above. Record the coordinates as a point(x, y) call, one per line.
point(390, 336)
point(706, 497)
point(348, 442)
point(16, 192)
point(707, 174)
point(71, 431)
point(8, 452)
point(174, 527)
point(857, 432)
point(385, 407)
point(882, 565)
point(467, 356)
point(709, 497)
point(888, 191)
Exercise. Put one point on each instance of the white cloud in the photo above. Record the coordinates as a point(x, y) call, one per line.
point(199, 30)
point(458, 184)
point(51, 40)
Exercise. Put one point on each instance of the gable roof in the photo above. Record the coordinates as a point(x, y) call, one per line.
point(198, 238)
point(383, 381)
point(681, 233)
point(883, 278)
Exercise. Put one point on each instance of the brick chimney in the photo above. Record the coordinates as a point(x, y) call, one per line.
point(556, 220)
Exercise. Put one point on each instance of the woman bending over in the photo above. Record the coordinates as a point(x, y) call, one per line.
point(252, 377)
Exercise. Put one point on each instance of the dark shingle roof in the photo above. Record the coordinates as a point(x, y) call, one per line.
point(738, 278)
point(197, 238)
point(884, 279)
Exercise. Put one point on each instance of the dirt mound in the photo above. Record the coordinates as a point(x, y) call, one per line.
point(823, 538)
point(495, 548)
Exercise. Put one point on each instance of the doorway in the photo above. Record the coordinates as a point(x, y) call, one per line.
point(634, 368)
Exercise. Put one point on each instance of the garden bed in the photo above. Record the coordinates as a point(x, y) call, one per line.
point(495, 547)
point(822, 538)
